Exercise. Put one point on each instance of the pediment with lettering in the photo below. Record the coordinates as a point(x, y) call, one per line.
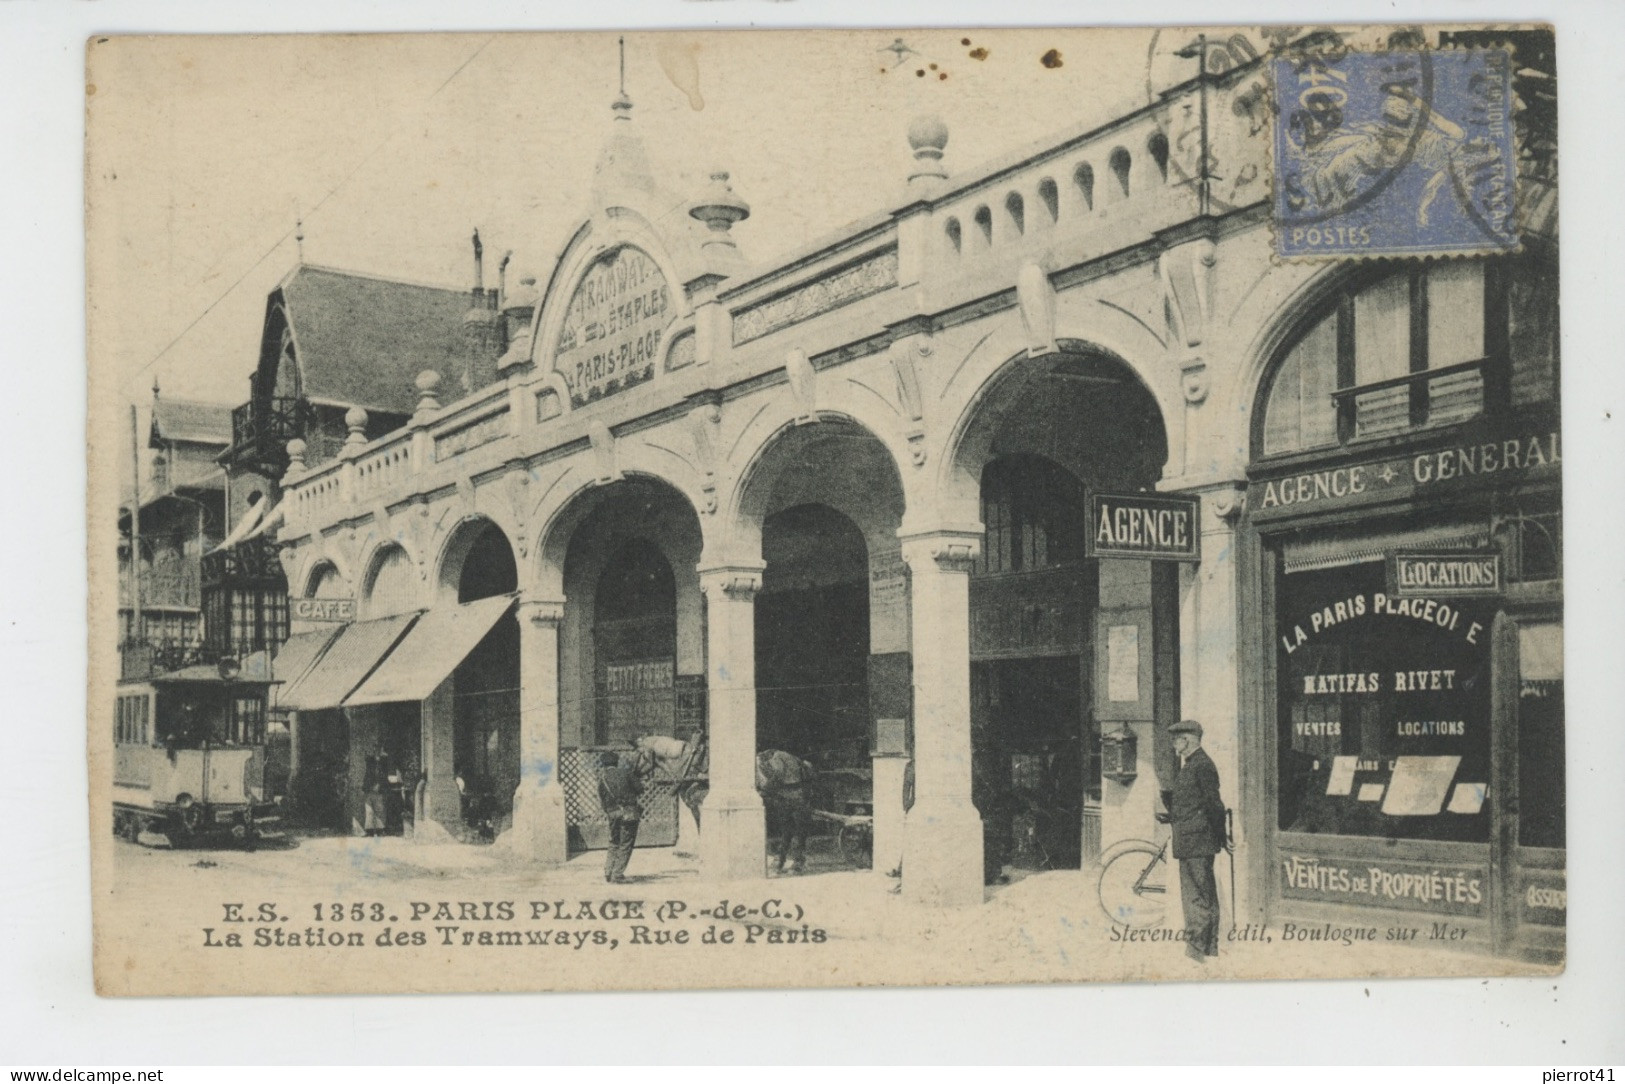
point(615, 325)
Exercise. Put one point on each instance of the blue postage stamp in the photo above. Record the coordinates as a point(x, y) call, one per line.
point(1394, 154)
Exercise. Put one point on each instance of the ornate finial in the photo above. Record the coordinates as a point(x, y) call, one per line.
point(622, 105)
point(296, 459)
point(427, 381)
point(299, 236)
point(719, 207)
point(155, 387)
point(927, 136)
point(355, 419)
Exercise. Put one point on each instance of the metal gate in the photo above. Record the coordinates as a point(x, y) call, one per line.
point(589, 827)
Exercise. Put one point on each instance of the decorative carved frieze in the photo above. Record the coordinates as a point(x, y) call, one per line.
point(480, 431)
point(868, 276)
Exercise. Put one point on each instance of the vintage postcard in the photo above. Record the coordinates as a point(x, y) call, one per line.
point(723, 509)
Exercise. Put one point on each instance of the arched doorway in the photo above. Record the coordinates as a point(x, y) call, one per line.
point(1064, 648)
point(485, 692)
point(635, 645)
point(812, 639)
point(831, 625)
point(631, 643)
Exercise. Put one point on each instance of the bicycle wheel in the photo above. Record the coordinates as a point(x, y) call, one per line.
point(1134, 886)
point(857, 845)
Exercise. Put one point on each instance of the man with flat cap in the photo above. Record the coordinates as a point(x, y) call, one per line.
point(1196, 814)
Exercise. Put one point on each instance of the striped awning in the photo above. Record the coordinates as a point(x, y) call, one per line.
point(296, 656)
point(357, 651)
point(428, 654)
point(1308, 552)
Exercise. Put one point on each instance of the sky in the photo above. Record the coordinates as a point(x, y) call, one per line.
point(204, 151)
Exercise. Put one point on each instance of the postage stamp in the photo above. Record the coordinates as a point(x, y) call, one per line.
point(1394, 153)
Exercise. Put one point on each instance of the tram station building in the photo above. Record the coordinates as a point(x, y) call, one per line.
point(848, 503)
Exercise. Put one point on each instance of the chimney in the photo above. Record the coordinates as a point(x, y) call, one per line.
point(483, 331)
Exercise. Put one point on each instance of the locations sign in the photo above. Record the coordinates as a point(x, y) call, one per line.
point(1143, 525)
point(1419, 573)
point(614, 325)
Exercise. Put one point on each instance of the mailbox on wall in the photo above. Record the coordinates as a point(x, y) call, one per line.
point(1120, 755)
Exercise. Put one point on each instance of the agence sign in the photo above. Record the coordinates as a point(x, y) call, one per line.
point(1143, 526)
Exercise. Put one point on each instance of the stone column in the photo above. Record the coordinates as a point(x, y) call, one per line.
point(442, 801)
point(1210, 670)
point(733, 833)
point(363, 728)
point(942, 841)
point(539, 834)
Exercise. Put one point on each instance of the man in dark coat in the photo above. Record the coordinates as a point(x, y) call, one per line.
point(782, 779)
point(1196, 814)
point(619, 785)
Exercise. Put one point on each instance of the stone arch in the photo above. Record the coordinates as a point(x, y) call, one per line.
point(592, 239)
point(457, 545)
point(315, 574)
point(1003, 353)
point(1080, 364)
point(583, 539)
point(571, 495)
point(1277, 315)
point(751, 499)
point(401, 591)
point(304, 581)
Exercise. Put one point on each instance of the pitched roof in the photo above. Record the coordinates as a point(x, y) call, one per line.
point(195, 423)
point(362, 340)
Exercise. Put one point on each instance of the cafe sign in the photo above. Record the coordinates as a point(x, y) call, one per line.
point(1435, 574)
point(614, 326)
point(322, 609)
point(1143, 526)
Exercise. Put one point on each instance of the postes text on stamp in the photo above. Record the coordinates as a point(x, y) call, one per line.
point(1394, 154)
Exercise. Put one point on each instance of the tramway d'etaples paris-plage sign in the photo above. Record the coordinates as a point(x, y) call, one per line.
point(615, 538)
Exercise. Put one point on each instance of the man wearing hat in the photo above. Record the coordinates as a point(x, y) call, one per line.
point(1196, 814)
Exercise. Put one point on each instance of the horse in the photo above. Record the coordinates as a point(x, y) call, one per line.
point(783, 779)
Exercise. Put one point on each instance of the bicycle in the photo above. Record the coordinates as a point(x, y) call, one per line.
point(1133, 885)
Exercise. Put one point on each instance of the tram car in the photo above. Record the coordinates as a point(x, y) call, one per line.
point(189, 757)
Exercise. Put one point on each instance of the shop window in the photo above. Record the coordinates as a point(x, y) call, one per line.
point(1032, 510)
point(1417, 348)
point(1383, 709)
point(1537, 547)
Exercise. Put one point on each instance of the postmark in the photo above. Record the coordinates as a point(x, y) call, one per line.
point(1395, 153)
